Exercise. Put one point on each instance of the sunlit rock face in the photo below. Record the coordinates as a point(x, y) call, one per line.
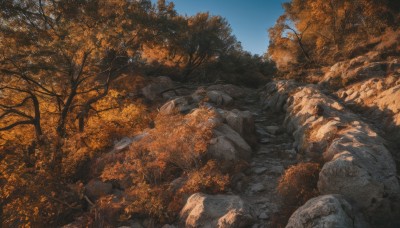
point(331, 211)
point(222, 211)
point(378, 99)
point(357, 163)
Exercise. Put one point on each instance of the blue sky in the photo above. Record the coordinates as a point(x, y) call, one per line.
point(249, 19)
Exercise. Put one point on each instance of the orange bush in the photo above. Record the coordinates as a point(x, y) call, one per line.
point(297, 185)
point(173, 149)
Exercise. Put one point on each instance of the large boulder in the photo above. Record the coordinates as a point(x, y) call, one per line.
point(328, 211)
point(224, 211)
point(242, 122)
point(227, 145)
point(157, 85)
point(180, 104)
point(219, 98)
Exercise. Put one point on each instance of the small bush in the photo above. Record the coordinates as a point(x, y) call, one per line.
point(297, 185)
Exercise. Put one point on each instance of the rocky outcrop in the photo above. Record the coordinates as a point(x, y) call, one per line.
point(222, 211)
point(329, 211)
point(377, 98)
point(357, 163)
point(157, 85)
point(373, 64)
point(228, 146)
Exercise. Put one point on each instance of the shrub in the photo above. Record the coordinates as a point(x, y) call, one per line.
point(173, 150)
point(297, 185)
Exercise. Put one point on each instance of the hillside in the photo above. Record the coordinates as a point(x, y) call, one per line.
point(129, 114)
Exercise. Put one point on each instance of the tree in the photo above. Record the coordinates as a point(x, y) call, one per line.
point(58, 58)
point(186, 43)
point(323, 32)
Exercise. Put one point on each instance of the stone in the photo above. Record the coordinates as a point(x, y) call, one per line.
point(127, 141)
point(219, 98)
point(199, 95)
point(357, 163)
point(232, 90)
point(329, 211)
point(263, 216)
point(258, 187)
point(122, 144)
point(228, 145)
point(157, 85)
point(243, 123)
point(180, 104)
point(225, 211)
point(259, 170)
point(273, 129)
point(96, 189)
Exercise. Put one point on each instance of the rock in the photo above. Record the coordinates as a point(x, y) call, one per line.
point(228, 145)
point(258, 187)
point(276, 94)
point(180, 104)
point(203, 210)
point(357, 163)
point(219, 98)
point(273, 129)
point(288, 154)
point(223, 149)
point(122, 144)
point(259, 170)
point(127, 141)
point(96, 189)
point(263, 216)
point(243, 123)
point(199, 94)
point(235, 219)
point(158, 85)
point(276, 169)
point(329, 211)
point(231, 90)
point(361, 168)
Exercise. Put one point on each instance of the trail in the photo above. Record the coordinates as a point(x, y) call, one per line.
point(273, 154)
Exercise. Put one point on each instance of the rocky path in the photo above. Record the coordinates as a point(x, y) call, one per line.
point(273, 154)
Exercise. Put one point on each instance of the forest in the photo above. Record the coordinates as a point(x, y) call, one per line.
point(73, 79)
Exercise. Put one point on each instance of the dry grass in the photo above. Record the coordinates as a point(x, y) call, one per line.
point(297, 185)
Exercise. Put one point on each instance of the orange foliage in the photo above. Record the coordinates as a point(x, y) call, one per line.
point(174, 149)
point(30, 194)
point(297, 185)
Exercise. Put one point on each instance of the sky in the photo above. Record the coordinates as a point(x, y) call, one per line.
point(249, 19)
